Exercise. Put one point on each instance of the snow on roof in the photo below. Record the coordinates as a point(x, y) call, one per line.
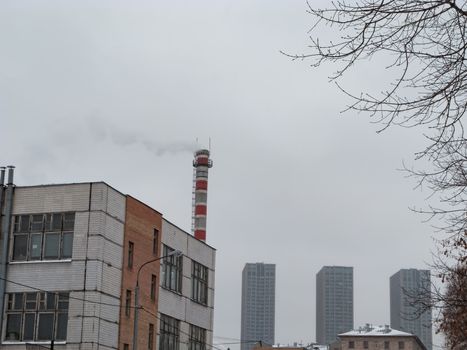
point(370, 330)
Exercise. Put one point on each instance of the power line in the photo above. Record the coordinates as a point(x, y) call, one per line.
point(97, 302)
point(62, 293)
point(156, 316)
point(238, 342)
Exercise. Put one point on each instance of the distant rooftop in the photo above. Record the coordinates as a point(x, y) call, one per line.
point(370, 330)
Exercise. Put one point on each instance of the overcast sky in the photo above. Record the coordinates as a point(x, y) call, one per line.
point(120, 90)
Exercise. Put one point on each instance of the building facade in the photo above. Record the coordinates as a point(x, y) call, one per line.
point(186, 306)
point(406, 287)
point(258, 304)
point(73, 253)
point(377, 338)
point(334, 302)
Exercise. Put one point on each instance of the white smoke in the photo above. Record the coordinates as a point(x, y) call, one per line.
point(104, 131)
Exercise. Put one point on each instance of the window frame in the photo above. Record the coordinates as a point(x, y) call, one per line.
point(197, 338)
point(128, 303)
point(49, 310)
point(155, 241)
point(199, 282)
point(153, 287)
point(172, 271)
point(169, 333)
point(36, 230)
point(131, 254)
point(151, 336)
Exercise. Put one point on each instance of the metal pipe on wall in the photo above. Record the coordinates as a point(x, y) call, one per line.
point(6, 211)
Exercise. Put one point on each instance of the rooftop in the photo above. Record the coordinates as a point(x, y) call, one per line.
point(370, 330)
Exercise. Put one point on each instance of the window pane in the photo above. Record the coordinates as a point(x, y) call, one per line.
point(42, 301)
point(57, 222)
point(16, 224)
point(52, 244)
point(29, 326)
point(37, 222)
point(69, 222)
point(35, 246)
point(20, 247)
point(62, 324)
point(51, 301)
point(24, 226)
point(131, 249)
point(45, 328)
point(48, 222)
point(31, 301)
point(13, 327)
point(128, 302)
point(67, 244)
point(18, 305)
point(63, 301)
point(155, 239)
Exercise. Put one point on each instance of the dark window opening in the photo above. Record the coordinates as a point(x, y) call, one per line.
point(155, 240)
point(128, 303)
point(153, 287)
point(131, 252)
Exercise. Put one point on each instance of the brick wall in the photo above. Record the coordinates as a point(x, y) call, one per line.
point(140, 223)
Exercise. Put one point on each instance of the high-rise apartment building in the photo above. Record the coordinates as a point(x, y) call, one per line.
point(258, 304)
point(334, 302)
point(407, 314)
point(70, 259)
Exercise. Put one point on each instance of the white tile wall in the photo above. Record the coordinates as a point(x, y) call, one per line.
point(181, 306)
point(100, 257)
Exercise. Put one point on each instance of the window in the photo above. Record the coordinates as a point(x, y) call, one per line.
point(131, 253)
point(386, 344)
point(155, 240)
point(128, 303)
point(153, 287)
point(401, 345)
point(169, 333)
point(351, 345)
point(199, 283)
point(36, 316)
point(365, 344)
point(151, 337)
point(43, 236)
point(197, 338)
point(172, 271)
point(126, 347)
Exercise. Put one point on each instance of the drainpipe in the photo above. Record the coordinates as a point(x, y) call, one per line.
point(5, 233)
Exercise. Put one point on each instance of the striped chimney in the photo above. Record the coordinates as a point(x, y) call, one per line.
point(201, 163)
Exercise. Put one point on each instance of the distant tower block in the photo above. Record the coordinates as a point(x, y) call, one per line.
point(201, 163)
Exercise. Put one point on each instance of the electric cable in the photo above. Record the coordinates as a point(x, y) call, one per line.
point(98, 303)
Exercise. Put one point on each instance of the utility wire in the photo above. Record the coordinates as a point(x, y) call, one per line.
point(238, 342)
point(63, 293)
point(158, 317)
point(97, 302)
